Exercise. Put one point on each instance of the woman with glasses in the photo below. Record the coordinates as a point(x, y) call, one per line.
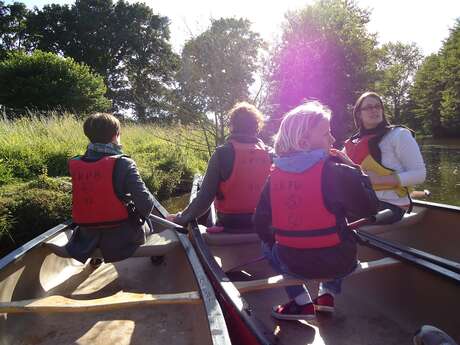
point(388, 154)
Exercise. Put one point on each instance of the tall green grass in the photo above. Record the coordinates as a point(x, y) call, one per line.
point(34, 182)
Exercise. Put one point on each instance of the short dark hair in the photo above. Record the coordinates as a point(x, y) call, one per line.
point(101, 127)
point(245, 119)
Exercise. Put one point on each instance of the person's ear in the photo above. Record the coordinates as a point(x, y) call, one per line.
point(116, 138)
point(304, 143)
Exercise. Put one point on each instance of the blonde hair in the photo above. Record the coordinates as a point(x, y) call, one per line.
point(296, 125)
point(245, 119)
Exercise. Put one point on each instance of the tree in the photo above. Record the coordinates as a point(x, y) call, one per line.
point(425, 95)
point(325, 53)
point(450, 66)
point(436, 92)
point(125, 43)
point(217, 70)
point(397, 65)
point(12, 27)
point(45, 81)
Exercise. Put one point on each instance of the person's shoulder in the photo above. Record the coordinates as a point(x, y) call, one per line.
point(125, 161)
point(336, 167)
point(224, 149)
point(400, 131)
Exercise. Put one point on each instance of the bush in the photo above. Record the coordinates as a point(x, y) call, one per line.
point(29, 209)
point(46, 81)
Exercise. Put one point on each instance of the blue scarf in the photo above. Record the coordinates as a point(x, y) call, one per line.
point(298, 162)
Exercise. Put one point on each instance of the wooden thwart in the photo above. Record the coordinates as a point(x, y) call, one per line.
point(281, 281)
point(60, 304)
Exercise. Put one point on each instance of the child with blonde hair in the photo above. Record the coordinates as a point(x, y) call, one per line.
point(301, 215)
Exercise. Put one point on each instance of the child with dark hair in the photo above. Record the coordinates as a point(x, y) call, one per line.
point(109, 199)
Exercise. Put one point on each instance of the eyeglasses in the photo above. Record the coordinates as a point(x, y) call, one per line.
point(371, 107)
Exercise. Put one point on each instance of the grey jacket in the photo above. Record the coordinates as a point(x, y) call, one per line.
point(220, 167)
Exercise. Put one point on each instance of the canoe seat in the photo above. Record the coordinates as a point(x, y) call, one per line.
point(224, 239)
point(156, 244)
point(409, 219)
point(61, 304)
point(283, 281)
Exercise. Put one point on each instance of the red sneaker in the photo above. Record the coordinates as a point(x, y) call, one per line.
point(293, 311)
point(324, 303)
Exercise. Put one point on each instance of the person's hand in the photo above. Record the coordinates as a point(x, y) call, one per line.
point(342, 156)
point(172, 217)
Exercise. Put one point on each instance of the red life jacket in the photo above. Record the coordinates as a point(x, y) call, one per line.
point(94, 201)
point(241, 191)
point(358, 149)
point(299, 215)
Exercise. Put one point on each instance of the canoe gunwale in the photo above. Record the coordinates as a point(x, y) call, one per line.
point(225, 287)
point(37, 241)
point(435, 205)
point(216, 321)
point(403, 253)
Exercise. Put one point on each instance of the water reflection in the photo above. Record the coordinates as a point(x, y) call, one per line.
point(442, 159)
point(177, 203)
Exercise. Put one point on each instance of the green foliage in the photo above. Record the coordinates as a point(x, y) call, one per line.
point(12, 27)
point(33, 148)
point(217, 70)
point(397, 66)
point(425, 96)
point(325, 53)
point(435, 96)
point(450, 65)
point(31, 208)
point(45, 81)
point(125, 43)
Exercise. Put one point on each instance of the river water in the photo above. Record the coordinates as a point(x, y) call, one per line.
point(442, 159)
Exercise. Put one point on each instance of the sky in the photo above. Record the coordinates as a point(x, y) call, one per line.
point(424, 22)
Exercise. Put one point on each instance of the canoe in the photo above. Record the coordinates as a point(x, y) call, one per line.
point(409, 276)
point(49, 299)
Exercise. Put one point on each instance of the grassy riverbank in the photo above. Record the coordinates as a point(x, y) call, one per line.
point(34, 184)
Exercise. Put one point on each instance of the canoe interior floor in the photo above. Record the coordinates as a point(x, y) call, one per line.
point(381, 307)
point(351, 323)
point(158, 324)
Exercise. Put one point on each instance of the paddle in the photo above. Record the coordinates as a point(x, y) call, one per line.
point(420, 193)
point(382, 215)
point(168, 223)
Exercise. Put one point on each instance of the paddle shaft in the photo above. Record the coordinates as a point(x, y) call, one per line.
point(360, 222)
point(168, 224)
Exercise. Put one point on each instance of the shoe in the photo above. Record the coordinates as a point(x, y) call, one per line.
point(324, 303)
point(293, 311)
point(430, 335)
